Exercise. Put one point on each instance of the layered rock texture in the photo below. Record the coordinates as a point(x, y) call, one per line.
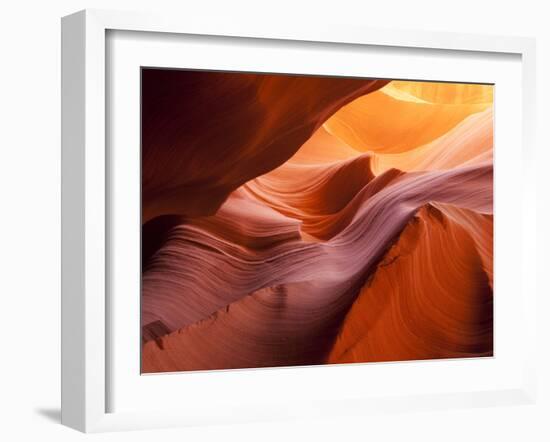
point(298, 220)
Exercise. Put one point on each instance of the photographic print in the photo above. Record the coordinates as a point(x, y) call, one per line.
point(292, 220)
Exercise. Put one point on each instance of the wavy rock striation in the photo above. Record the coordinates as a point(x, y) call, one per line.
point(273, 239)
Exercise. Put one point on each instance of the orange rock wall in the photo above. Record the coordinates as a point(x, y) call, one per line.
point(296, 220)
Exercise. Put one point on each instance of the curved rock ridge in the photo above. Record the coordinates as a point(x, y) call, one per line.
point(480, 228)
point(429, 298)
point(199, 270)
point(297, 323)
point(320, 196)
point(295, 220)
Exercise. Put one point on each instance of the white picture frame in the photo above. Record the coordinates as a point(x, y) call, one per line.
point(85, 208)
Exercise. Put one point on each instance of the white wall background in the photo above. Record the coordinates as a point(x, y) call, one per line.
point(30, 216)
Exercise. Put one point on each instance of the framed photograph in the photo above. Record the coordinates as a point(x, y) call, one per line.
point(264, 222)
